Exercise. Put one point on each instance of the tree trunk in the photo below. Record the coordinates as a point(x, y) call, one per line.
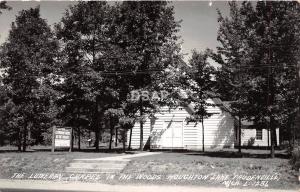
point(268, 131)
point(275, 137)
point(90, 139)
point(141, 127)
point(202, 121)
point(297, 125)
point(98, 122)
point(240, 135)
point(20, 141)
point(29, 136)
point(97, 138)
point(24, 139)
point(116, 142)
point(272, 137)
point(97, 128)
point(72, 140)
point(111, 133)
point(130, 136)
point(294, 136)
point(289, 132)
point(78, 135)
point(124, 138)
point(272, 123)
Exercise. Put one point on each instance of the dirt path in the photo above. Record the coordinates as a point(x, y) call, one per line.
point(124, 157)
point(105, 165)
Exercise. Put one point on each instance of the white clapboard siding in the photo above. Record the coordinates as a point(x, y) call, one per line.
point(218, 130)
point(249, 138)
point(135, 138)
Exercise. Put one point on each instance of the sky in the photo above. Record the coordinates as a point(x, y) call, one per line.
point(198, 30)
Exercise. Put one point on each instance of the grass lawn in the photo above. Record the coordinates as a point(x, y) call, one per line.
point(217, 164)
point(41, 160)
point(167, 167)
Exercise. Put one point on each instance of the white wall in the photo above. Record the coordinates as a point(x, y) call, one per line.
point(218, 129)
point(249, 135)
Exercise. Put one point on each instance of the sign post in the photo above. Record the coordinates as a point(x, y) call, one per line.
point(71, 140)
point(62, 138)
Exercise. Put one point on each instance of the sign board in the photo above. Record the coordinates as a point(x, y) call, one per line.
point(61, 137)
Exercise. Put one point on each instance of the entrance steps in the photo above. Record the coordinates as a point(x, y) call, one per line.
point(109, 165)
point(96, 166)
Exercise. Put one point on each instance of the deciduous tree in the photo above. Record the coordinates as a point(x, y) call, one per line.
point(200, 89)
point(28, 57)
point(266, 47)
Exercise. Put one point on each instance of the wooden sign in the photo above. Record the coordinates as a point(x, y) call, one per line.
point(61, 137)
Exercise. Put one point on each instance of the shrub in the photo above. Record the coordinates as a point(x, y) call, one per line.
point(47, 137)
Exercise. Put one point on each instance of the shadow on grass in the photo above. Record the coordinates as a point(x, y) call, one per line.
point(13, 151)
point(101, 150)
point(246, 153)
point(230, 154)
point(261, 153)
point(86, 150)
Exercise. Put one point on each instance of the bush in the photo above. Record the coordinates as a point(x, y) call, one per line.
point(296, 158)
point(47, 137)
